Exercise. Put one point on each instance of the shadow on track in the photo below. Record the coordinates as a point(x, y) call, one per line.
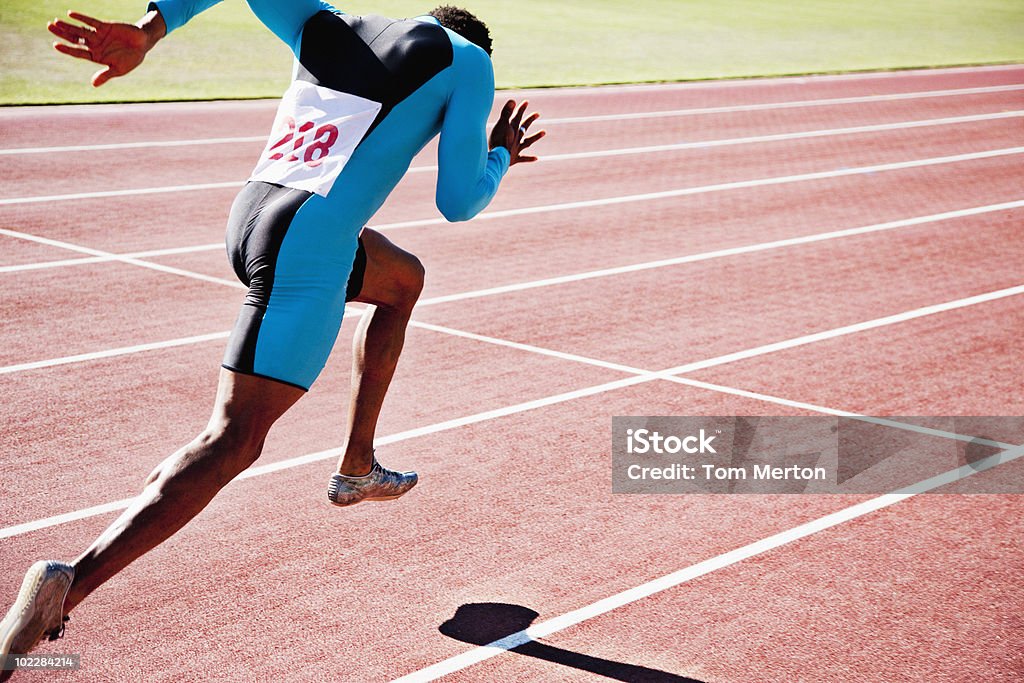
point(483, 623)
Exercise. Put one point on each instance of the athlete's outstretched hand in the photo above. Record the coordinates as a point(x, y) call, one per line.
point(512, 131)
point(119, 47)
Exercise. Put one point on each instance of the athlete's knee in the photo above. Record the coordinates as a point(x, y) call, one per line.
point(394, 277)
point(236, 441)
point(220, 452)
point(412, 281)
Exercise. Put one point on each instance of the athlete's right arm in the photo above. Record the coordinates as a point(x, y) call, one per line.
point(177, 13)
point(121, 47)
point(284, 17)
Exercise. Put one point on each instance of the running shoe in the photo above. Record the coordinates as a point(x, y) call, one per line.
point(379, 484)
point(38, 611)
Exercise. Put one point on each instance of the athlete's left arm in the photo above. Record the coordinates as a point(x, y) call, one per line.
point(468, 174)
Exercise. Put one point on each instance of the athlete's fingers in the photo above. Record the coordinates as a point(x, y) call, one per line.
point(526, 160)
point(532, 139)
point(85, 19)
point(69, 32)
point(506, 111)
point(533, 117)
point(518, 120)
point(79, 51)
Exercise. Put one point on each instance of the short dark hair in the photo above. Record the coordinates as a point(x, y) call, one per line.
point(465, 24)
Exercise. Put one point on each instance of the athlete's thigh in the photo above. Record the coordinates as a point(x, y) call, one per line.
point(295, 256)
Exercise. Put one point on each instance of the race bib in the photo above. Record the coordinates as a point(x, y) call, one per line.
point(315, 133)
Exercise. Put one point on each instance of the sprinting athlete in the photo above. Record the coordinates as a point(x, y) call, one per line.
point(368, 94)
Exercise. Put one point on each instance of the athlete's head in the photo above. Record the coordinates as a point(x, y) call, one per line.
point(465, 24)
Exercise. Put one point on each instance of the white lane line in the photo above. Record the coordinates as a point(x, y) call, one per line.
point(755, 81)
point(152, 253)
point(722, 253)
point(587, 275)
point(112, 353)
point(66, 518)
point(62, 263)
point(798, 104)
point(718, 187)
point(106, 255)
point(608, 153)
point(120, 193)
point(779, 137)
point(846, 330)
point(27, 527)
point(521, 286)
point(677, 578)
point(717, 388)
point(132, 145)
point(548, 281)
point(552, 400)
point(625, 116)
point(905, 426)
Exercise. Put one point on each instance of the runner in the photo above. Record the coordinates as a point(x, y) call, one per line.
point(368, 94)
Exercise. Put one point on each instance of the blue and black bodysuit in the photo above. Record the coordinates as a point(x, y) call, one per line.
point(369, 94)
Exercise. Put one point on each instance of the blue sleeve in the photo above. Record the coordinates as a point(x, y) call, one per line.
point(176, 13)
point(284, 17)
point(287, 17)
point(468, 175)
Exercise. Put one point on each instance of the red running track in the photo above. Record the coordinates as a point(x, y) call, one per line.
point(512, 371)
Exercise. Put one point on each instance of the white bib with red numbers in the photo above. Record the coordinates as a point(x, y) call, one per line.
point(315, 133)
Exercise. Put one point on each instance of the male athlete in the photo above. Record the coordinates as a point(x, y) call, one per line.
point(368, 94)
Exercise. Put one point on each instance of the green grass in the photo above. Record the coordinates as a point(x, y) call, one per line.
point(226, 52)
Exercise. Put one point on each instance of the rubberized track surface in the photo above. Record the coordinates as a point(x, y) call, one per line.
point(737, 233)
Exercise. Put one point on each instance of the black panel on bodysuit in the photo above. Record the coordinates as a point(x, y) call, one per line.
point(373, 57)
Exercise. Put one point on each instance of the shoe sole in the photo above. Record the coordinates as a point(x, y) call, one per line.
point(44, 589)
point(373, 498)
point(370, 500)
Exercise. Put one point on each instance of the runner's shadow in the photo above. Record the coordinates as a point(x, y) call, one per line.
point(487, 622)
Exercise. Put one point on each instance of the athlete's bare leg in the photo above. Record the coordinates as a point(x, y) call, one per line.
point(183, 484)
point(392, 284)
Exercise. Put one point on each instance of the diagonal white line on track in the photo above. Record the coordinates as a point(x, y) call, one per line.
point(846, 330)
point(681, 576)
point(587, 275)
point(521, 286)
point(598, 118)
point(122, 259)
point(701, 144)
point(20, 529)
point(27, 527)
point(717, 388)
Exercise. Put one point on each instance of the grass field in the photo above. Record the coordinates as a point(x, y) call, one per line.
point(226, 53)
